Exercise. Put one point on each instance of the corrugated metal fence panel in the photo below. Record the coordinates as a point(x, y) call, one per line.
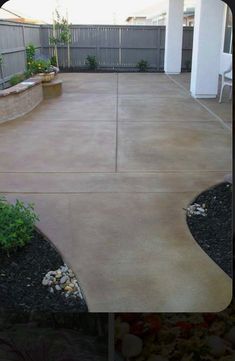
point(114, 46)
point(139, 43)
point(187, 48)
point(13, 63)
point(32, 35)
point(118, 46)
point(13, 40)
point(11, 36)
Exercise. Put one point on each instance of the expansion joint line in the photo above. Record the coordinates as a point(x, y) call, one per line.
point(116, 150)
point(221, 121)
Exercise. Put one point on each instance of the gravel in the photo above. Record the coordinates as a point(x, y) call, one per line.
point(213, 232)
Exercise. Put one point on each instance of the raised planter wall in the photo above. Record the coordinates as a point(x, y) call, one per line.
point(19, 100)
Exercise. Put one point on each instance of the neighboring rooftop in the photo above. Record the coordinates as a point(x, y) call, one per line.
point(9, 15)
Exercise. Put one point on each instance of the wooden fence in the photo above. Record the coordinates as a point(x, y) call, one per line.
point(115, 47)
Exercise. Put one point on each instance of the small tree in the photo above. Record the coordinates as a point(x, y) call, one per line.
point(60, 34)
point(65, 36)
point(54, 39)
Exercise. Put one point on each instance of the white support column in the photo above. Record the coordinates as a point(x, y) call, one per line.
point(174, 37)
point(207, 42)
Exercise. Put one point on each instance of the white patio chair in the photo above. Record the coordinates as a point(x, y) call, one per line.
point(227, 80)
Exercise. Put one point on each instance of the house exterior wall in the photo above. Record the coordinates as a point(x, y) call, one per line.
point(225, 59)
point(209, 24)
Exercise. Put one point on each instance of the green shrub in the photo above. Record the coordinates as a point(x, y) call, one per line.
point(30, 52)
point(53, 60)
point(27, 74)
point(17, 223)
point(41, 66)
point(35, 66)
point(30, 55)
point(142, 65)
point(17, 78)
point(91, 62)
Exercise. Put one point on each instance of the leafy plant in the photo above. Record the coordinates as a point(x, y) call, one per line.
point(1, 59)
point(41, 66)
point(17, 223)
point(27, 74)
point(30, 56)
point(142, 65)
point(91, 62)
point(30, 52)
point(17, 78)
point(53, 60)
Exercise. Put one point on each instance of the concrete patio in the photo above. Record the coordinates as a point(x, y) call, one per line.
point(110, 165)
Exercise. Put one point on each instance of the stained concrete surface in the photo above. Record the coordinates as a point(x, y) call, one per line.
point(110, 165)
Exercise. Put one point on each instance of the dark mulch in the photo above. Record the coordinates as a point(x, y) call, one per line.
point(21, 277)
point(106, 70)
point(214, 232)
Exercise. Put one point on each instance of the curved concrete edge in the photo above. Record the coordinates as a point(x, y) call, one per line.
point(191, 282)
point(226, 296)
point(65, 260)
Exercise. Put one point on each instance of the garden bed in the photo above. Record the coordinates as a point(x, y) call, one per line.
point(21, 275)
point(53, 336)
point(20, 99)
point(79, 69)
point(213, 232)
point(175, 336)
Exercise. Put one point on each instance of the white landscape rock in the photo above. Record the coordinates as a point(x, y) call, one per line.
point(63, 280)
point(131, 345)
point(196, 209)
point(216, 345)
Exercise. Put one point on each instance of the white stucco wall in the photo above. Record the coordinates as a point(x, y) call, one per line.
point(174, 37)
point(225, 59)
point(207, 42)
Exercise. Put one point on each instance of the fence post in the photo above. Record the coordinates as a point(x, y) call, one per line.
point(120, 46)
point(24, 45)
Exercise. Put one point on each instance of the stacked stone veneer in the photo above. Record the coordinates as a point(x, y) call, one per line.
point(20, 99)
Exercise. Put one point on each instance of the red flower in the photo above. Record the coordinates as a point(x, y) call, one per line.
point(153, 323)
point(202, 325)
point(129, 317)
point(137, 328)
point(209, 317)
point(184, 325)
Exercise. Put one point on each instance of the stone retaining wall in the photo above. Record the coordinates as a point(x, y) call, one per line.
point(20, 99)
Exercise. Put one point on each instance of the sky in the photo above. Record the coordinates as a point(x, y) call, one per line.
point(85, 11)
point(80, 12)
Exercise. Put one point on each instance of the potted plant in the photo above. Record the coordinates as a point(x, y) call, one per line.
point(41, 67)
point(44, 69)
